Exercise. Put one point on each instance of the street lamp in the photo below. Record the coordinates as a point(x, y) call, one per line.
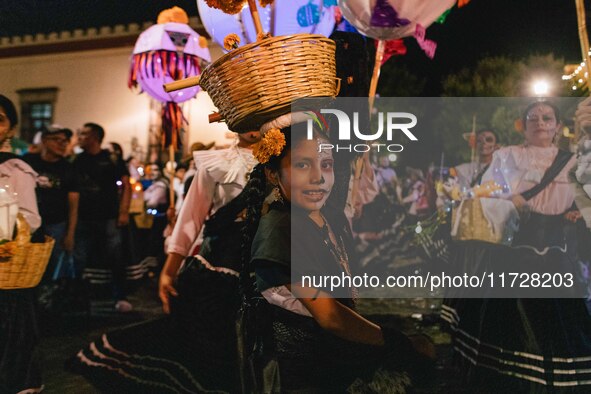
point(541, 88)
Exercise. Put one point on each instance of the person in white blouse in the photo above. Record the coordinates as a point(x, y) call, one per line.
point(527, 344)
point(221, 175)
point(20, 367)
point(14, 172)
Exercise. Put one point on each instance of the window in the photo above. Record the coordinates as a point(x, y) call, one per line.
point(37, 110)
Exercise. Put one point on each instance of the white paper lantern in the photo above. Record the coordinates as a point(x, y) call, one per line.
point(283, 17)
point(392, 19)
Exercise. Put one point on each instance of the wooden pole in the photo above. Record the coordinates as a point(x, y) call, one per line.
point(583, 38)
point(171, 175)
point(372, 96)
point(472, 140)
point(182, 84)
point(373, 86)
point(252, 5)
point(584, 41)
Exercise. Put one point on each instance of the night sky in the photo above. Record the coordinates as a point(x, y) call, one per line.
point(513, 28)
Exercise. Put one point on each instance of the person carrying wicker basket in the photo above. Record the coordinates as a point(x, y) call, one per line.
point(320, 342)
point(20, 369)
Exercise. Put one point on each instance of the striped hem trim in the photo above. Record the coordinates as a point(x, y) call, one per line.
point(522, 360)
point(32, 390)
point(125, 367)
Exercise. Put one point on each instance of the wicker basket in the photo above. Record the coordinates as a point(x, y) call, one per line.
point(26, 267)
point(470, 224)
point(258, 82)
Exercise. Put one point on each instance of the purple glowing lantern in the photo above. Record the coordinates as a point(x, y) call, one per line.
point(165, 53)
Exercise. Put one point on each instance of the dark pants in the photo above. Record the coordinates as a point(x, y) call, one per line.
point(98, 254)
point(56, 231)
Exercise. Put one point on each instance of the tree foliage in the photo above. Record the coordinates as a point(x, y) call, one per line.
point(499, 77)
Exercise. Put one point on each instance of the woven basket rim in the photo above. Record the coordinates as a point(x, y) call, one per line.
point(245, 48)
point(244, 86)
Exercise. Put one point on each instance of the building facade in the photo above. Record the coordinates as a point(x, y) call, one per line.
point(74, 77)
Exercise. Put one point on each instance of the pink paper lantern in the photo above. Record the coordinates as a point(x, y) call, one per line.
point(165, 53)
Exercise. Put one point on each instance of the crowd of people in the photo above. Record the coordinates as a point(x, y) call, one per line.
point(226, 232)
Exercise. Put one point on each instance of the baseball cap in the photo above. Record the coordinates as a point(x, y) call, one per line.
point(55, 129)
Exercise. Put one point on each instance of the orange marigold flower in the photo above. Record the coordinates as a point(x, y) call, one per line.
point(202, 42)
point(228, 6)
point(265, 3)
point(231, 41)
point(271, 144)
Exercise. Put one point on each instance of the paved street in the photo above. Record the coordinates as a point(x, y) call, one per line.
point(63, 337)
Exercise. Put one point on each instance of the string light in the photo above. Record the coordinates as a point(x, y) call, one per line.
point(574, 76)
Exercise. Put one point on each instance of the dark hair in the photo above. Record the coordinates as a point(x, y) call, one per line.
point(538, 103)
point(182, 166)
point(10, 110)
point(117, 149)
point(489, 131)
point(97, 130)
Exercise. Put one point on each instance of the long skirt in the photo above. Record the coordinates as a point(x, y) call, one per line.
point(311, 360)
point(534, 345)
point(20, 367)
point(191, 351)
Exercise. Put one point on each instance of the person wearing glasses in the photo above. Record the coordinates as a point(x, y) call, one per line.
point(57, 195)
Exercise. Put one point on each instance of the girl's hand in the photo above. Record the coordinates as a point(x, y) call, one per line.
point(165, 290)
point(573, 216)
point(521, 205)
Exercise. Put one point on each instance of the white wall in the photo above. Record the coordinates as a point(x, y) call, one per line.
point(93, 88)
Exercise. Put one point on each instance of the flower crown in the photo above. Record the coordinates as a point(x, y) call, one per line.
point(271, 144)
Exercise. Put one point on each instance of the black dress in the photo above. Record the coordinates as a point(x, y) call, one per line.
point(311, 359)
point(524, 344)
point(20, 362)
point(194, 349)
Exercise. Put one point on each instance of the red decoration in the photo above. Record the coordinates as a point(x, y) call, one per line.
point(393, 48)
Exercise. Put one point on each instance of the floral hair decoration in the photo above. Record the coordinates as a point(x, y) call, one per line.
point(271, 144)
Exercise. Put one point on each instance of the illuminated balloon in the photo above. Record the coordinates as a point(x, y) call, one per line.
point(283, 17)
point(165, 53)
point(392, 19)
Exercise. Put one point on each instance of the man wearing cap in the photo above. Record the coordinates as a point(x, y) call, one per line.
point(57, 193)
